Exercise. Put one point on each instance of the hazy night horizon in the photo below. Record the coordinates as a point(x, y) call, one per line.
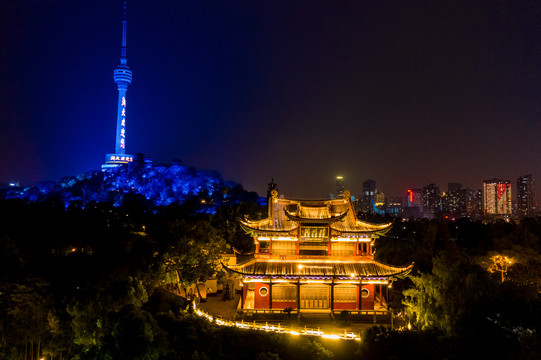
point(404, 94)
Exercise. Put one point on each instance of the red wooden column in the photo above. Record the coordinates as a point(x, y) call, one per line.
point(380, 298)
point(270, 293)
point(298, 294)
point(332, 294)
point(387, 295)
point(359, 295)
point(244, 292)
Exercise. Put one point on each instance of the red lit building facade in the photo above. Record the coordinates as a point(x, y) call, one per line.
point(497, 197)
point(314, 254)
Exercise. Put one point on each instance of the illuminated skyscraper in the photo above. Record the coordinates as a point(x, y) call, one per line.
point(431, 201)
point(453, 201)
point(413, 206)
point(369, 192)
point(525, 196)
point(339, 186)
point(122, 76)
point(473, 203)
point(497, 197)
point(415, 198)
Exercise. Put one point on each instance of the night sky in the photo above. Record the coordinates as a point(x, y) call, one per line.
point(405, 93)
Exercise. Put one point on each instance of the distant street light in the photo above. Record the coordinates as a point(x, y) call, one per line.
point(501, 263)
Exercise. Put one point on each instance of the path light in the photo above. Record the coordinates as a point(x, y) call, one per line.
point(255, 326)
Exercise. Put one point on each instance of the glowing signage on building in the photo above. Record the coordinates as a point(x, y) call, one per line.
point(118, 158)
point(123, 123)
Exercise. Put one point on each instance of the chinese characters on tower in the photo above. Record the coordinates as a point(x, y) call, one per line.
point(123, 124)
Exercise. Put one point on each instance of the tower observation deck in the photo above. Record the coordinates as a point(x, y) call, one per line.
point(122, 76)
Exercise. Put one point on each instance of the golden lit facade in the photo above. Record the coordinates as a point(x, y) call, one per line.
point(314, 254)
point(497, 197)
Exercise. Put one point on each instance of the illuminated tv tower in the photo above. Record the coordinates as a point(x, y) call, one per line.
point(122, 76)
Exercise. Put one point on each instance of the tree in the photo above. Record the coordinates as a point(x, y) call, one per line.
point(28, 305)
point(135, 335)
point(226, 222)
point(93, 308)
point(195, 254)
point(382, 342)
point(451, 299)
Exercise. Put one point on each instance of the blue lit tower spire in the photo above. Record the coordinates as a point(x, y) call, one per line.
point(122, 76)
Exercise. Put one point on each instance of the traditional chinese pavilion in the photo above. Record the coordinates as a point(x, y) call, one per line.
point(314, 254)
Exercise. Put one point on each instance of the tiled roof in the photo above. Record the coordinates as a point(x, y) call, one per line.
point(339, 212)
point(315, 268)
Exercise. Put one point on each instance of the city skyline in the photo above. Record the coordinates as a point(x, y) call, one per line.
point(406, 95)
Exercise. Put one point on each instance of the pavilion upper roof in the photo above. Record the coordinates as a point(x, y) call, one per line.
point(286, 215)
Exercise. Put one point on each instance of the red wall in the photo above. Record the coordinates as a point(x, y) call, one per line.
point(345, 306)
point(261, 302)
point(284, 304)
point(367, 303)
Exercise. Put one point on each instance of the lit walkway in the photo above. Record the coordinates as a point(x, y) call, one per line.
point(227, 310)
point(216, 306)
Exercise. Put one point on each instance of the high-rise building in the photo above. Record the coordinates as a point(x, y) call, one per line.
point(415, 198)
point(473, 203)
point(340, 186)
point(394, 206)
point(497, 197)
point(379, 199)
point(369, 193)
point(123, 77)
point(525, 196)
point(431, 201)
point(379, 203)
point(413, 205)
point(455, 200)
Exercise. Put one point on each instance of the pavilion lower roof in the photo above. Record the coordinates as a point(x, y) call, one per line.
point(317, 268)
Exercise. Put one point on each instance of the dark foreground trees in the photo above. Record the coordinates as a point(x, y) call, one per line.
point(455, 299)
point(473, 311)
point(461, 311)
point(90, 283)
